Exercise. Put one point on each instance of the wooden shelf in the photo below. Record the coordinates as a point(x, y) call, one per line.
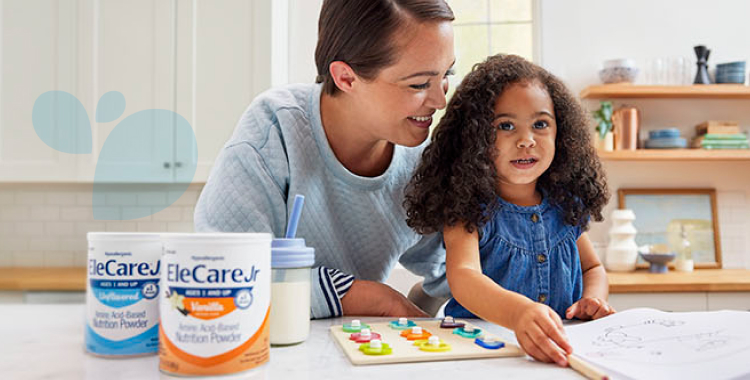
point(700, 280)
point(676, 155)
point(47, 279)
point(707, 91)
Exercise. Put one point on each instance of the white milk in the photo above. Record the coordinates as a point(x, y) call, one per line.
point(290, 311)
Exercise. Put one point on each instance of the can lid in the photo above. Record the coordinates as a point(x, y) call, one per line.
point(99, 236)
point(291, 253)
point(218, 236)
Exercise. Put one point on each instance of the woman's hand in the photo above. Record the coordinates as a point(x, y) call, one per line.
point(540, 333)
point(589, 308)
point(376, 299)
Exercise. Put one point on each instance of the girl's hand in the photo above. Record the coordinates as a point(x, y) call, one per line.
point(540, 333)
point(589, 308)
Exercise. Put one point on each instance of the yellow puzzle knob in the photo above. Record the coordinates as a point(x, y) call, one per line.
point(433, 344)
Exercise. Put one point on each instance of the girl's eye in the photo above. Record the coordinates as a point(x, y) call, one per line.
point(450, 72)
point(505, 126)
point(422, 86)
point(541, 124)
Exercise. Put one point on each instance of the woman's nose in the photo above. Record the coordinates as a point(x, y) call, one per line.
point(436, 96)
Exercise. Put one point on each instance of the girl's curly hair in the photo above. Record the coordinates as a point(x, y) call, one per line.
point(456, 181)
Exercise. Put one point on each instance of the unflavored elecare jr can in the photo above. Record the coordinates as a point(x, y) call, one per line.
point(122, 289)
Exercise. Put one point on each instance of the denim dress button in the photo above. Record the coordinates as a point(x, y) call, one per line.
point(534, 218)
point(542, 297)
point(541, 258)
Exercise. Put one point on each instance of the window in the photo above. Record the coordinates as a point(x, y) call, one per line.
point(487, 27)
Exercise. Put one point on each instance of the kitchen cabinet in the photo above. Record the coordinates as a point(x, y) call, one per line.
point(37, 45)
point(701, 290)
point(204, 61)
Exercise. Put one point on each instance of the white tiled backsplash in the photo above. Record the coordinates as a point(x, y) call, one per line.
point(45, 225)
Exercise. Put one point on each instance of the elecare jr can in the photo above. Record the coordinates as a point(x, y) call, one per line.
point(215, 303)
point(122, 289)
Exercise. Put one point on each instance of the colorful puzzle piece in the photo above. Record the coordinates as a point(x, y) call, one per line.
point(364, 336)
point(433, 344)
point(449, 323)
point(469, 332)
point(376, 347)
point(416, 333)
point(402, 324)
point(355, 326)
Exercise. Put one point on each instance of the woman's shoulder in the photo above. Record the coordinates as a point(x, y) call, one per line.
point(271, 110)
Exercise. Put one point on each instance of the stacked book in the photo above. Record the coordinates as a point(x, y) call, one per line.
point(720, 135)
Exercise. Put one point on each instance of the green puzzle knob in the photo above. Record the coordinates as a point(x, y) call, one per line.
point(376, 347)
point(354, 327)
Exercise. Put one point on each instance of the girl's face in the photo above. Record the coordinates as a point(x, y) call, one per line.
point(397, 106)
point(526, 130)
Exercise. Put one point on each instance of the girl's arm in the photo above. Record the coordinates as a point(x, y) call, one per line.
point(538, 328)
point(593, 304)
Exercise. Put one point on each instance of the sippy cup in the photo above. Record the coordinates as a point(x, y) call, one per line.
point(291, 261)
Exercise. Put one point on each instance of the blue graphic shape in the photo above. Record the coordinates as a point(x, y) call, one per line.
point(111, 106)
point(156, 151)
point(62, 123)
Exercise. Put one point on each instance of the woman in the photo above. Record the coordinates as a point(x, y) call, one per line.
point(349, 144)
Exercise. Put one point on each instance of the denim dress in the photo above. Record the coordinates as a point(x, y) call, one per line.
point(531, 251)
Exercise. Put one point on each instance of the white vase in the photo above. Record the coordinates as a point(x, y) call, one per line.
point(622, 251)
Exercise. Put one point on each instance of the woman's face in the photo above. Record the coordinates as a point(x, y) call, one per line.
point(397, 105)
point(526, 130)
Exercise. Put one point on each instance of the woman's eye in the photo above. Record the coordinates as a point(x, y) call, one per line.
point(422, 86)
point(505, 126)
point(541, 124)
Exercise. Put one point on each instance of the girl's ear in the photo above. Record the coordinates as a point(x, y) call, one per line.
point(343, 75)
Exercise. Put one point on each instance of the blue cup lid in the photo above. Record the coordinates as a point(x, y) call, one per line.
point(291, 253)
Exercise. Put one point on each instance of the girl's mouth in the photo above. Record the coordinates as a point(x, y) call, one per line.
point(524, 163)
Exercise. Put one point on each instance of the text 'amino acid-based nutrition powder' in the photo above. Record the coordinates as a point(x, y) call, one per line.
point(122, 309)
point(215, 303)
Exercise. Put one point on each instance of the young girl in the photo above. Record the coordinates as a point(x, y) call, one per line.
point(511, 180)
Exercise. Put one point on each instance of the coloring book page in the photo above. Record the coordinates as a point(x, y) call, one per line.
point(652, 344)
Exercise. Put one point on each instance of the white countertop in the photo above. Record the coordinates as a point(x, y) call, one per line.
point(46, 342)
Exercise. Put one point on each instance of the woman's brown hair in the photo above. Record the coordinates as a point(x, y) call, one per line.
point(456, 181)
point(361, 33)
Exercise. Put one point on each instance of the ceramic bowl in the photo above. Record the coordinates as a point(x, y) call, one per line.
point(623, 62)
point(619, 74)
point(658, 261)
point(739, 65)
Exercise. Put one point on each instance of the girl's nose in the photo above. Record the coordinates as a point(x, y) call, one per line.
point(526, 142)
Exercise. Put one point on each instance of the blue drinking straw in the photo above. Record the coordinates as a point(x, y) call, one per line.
point(291, 228)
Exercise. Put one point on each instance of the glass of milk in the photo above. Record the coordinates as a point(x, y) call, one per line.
point(291, 261)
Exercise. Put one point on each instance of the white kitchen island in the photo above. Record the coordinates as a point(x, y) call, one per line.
point(46, 342)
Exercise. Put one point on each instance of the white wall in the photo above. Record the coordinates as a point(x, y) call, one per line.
point(303, 36)
point(577, 35)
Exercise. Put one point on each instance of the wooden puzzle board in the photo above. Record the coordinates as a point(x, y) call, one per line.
point(404, 351)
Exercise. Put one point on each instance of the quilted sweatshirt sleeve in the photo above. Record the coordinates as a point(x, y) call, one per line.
point(243, 195)
point(426, 258)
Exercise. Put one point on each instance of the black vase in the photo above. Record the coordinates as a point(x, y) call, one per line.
point(701, 76)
